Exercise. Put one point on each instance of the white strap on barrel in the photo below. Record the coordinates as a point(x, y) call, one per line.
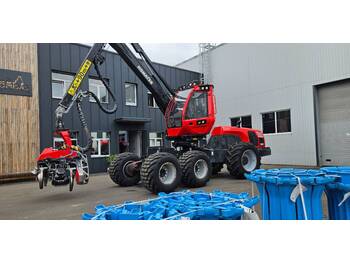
point(301, 189)
point(346, 196)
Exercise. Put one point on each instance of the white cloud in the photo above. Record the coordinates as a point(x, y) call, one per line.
point(169, 54)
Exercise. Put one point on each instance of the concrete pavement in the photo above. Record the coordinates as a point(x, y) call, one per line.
point(24, 200)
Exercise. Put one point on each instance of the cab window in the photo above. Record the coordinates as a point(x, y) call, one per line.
point(197, 106)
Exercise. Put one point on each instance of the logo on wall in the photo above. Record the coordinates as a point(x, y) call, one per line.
point(15, 83)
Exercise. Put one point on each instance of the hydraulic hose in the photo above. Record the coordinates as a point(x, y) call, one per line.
point(115, 107)
point(107, 111)
point(84, 125)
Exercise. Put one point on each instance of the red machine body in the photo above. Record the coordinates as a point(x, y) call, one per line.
point(51, 153)
point(197, 116)
point(241, 132)
point(62, 166)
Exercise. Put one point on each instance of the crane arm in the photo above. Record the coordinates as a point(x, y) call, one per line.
point(143, 68)
point(146, 72)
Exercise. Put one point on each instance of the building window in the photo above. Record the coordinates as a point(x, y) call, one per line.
point(242, 121)
point(283, 121)
point(98, 88)
point(59, 84)
point(276, 122)
point(58, 141)
point(151, 100)
point(100, 144)
point(155, 139)
point(130, 94)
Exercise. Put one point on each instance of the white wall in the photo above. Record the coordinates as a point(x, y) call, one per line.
point(257, 78)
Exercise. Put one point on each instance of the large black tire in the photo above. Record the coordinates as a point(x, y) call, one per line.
point(117, 172)
point(216, 168)
point(236, 159)
point(155, 169)
point(196, 168)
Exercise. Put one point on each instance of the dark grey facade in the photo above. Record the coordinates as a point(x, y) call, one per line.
point(66, 58)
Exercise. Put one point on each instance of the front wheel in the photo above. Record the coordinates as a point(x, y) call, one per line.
point(71, 181)
point(242, 158)
point(41, 178)
point(196, 168)
point(161, 172)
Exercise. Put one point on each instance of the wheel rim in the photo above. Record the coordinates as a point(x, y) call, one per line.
point(249, 160)
point(128, 170)
point(167, 173)
point(200, 168)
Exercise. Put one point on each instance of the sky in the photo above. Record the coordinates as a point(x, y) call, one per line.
point(170, 54)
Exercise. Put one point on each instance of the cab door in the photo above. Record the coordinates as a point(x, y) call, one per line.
point(199, 112)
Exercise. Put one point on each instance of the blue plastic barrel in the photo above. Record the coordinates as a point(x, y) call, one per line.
point(338, 204)
point(179, 205)
point(277, 187)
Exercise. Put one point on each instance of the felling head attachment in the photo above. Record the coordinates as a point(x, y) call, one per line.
point(62, 166)
point(69, 162)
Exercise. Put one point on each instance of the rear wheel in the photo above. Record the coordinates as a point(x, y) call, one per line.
point(123, 171)
point(196, 168)
point(242, 158)
point(161, 172)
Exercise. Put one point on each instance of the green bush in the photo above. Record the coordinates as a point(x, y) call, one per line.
point(111, 158)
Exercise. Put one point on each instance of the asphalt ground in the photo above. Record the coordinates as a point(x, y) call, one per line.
point(24, 200)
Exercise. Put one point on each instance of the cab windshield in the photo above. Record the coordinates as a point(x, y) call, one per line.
point(197, 108)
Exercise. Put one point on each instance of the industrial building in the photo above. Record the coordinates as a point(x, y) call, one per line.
point(33, 79)
point(298, 94)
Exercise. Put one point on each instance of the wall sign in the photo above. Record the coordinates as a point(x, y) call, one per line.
point(15, 83)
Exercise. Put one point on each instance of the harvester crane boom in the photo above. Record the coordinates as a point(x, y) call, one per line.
point(143, 68)
point(146, 72)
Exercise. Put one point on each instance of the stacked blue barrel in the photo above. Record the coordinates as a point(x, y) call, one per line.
point(338, 193)
point(180, 205)
point(288, 194)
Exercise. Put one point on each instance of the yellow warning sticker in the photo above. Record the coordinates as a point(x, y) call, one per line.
point(79, 77)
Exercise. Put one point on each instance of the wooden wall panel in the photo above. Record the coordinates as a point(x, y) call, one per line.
point(19, 115)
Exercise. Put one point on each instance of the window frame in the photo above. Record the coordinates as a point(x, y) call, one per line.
point(135, 92)
point(155, 139)
point(153, 99)
point(66, 82)
point(99, 144)
point(186, 113)
point(276, 121)
point(98, 87)
point(240, 119)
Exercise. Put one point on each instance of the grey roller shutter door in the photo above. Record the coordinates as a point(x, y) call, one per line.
point(334, 120)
